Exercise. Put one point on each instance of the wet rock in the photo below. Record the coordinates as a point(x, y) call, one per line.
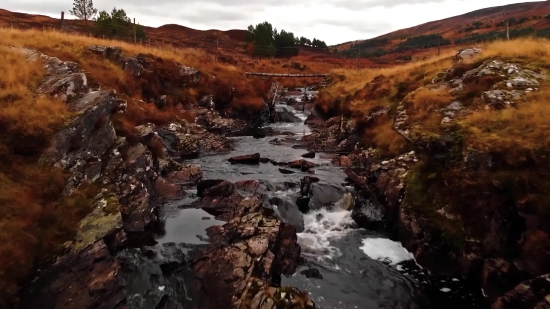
point(245, 159)
point(277, 141)
point(312, 273)
point(214, 123)
point(303, 203)
point(285, 171)
point(87, 265)
point(262, 297)
point(313, 120)
point(179, 173)
point(300, 163)
point(283, 114)
point(534, 293)
point(309, 155)
point(205, 184)
point(158, 276)
point(323, 194)
point(289, 211)
point(256, 241)
point(384, 179)
point(222, 189)
point(89, 279)
point(305, 184)
point(188, 142)
point(169, 190)
point(343, 161)
point(498, 277)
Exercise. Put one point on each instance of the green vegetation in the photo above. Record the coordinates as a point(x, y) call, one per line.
point(117, 25)
point(422, 41)
point(501, 35)
point(264, 40)
point(83, 9)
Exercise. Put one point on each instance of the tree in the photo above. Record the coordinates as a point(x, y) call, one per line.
point(83, 9)
point(117, 24)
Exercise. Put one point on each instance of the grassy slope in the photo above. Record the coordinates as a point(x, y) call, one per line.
point(33, 221)
point(517, 139)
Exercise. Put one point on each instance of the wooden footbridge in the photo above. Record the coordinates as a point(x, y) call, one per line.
point(276, 88)
point(284, 75)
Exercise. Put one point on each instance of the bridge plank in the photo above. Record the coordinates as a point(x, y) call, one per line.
point(286, 75)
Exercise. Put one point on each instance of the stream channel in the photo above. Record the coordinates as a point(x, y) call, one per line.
point(346, 266)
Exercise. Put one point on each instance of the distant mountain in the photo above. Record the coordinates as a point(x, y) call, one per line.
point(474, 26)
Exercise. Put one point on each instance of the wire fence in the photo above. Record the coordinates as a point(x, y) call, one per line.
point(224, 48)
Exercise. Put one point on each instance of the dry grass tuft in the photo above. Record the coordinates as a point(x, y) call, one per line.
point(34, 221)
point(513, 131)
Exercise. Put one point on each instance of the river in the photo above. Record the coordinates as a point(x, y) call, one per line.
point(352, 267)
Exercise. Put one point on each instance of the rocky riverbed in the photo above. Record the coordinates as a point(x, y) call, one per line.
point(227, 213)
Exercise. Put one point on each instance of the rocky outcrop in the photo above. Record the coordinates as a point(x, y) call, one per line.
point(531, 294)
point(249, 254)
point(133, 178)
point(159, 77)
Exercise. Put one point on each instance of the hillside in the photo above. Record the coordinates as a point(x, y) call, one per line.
point(228, 43)
point(456, 153)
point(473, 27)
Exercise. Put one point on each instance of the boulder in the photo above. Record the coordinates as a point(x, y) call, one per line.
point(300, 164)
point(534, 293)
point(133, 67)
point(245, 159)
point(309, 155)
point(253, 249)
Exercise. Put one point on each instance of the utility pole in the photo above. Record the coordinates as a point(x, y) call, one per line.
point(507, 31)
point(135, 37)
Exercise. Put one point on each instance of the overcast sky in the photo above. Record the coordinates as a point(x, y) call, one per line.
point(333, 21)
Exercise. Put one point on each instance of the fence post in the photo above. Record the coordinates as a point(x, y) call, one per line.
point(216, 59)
point(135, 37)
point(62, 20)
point(507, 31)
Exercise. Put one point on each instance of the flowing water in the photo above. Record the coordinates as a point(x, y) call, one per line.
point(346, 266)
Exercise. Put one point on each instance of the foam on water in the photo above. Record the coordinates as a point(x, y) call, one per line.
point(385, 249)
point(320, 227)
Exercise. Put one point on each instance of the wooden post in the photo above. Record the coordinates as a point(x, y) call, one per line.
point(62, 20)
point(135, 37)
point(507, 31)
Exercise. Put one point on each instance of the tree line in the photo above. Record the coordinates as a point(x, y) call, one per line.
point(264, 40)
point(116, 24)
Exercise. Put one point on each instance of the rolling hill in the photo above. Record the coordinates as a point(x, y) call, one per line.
point(472, 27)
